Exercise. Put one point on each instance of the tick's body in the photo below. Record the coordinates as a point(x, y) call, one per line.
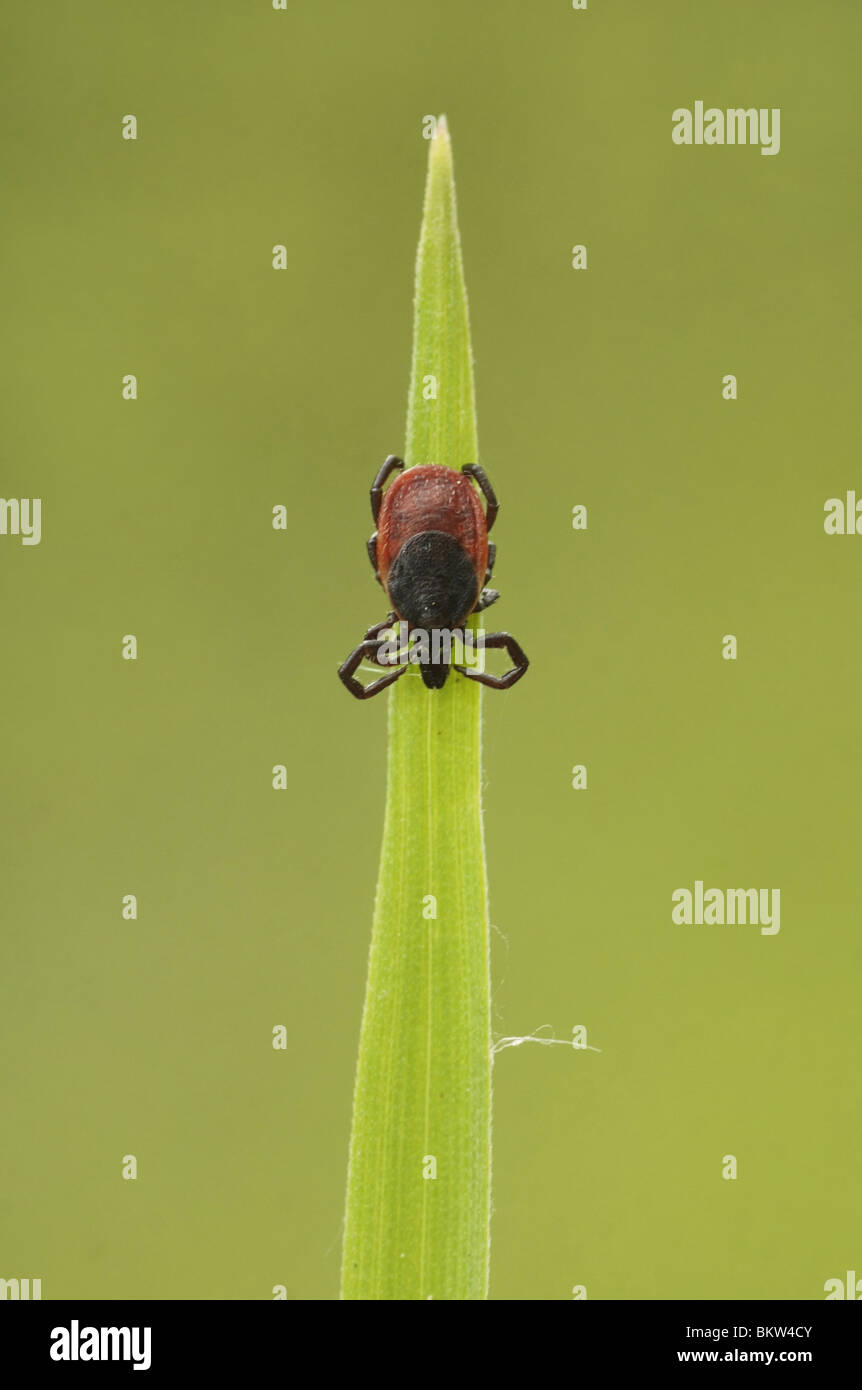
point(432, 546)
point(432, 556)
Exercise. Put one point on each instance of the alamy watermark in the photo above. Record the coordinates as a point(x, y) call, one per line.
point(728, 906)
point(736, 126)
point(77, 1343)
point(436, 646)
point(848, 1287)
point(21, 516)
point(20, 1289)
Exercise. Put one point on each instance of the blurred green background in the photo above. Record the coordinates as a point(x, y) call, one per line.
point(259, 387)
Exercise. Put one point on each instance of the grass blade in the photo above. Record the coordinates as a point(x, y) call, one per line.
point(422, 1101)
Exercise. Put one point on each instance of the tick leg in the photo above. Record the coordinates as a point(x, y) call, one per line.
point(520, 663)
point(392, 462)
point(486, 598)
point(371, 546)
point(474, 470)
point(381, 627)
point(492, 556)
point(368, 648)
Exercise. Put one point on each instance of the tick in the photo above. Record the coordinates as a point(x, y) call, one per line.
point(431, 555)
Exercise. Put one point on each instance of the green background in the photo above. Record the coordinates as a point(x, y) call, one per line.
point(259, 387)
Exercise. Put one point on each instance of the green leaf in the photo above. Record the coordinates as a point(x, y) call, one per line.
point(423, 1086)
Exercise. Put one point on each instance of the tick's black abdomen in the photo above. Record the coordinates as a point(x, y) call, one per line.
point(432, 582)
